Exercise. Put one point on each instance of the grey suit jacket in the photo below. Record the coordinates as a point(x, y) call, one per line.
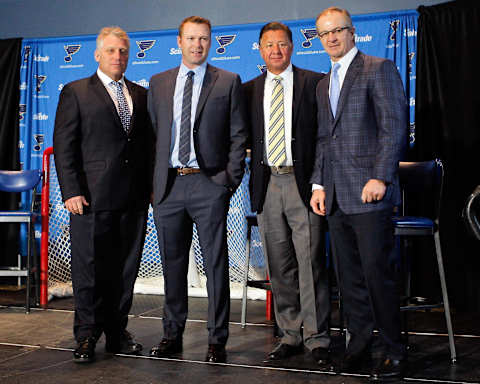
point(219, 131)
point(366, 138)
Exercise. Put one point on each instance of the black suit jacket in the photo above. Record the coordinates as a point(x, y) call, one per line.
point(94, 156)
point(219, 131)
point(304, 132)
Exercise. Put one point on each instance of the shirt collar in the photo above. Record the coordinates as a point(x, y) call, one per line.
point(199, 71)
point(287, 72)
point(106, 80)
point(347, 59)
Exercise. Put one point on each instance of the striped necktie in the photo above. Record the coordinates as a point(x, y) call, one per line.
point(185, 124)
point(276, 126)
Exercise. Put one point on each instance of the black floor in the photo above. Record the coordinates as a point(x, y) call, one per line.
point(37, 348)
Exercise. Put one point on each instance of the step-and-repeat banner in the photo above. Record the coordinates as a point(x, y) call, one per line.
point(50, 63)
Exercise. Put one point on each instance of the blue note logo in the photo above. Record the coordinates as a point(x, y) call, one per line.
point(223, 41)
point(394, 27)
point(412, 134)
point(22, 108)
point(26, 53)
point(262, 68)
point(39, 140)
point(40, 80)
point(71, 49)
point(309, 34)
point(144, 45)
point(411, 55)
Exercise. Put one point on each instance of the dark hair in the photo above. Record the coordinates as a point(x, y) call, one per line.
point(196, 20)
point(275, 26)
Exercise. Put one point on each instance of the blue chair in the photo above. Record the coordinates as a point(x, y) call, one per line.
point(422, 184)
point(14, 182)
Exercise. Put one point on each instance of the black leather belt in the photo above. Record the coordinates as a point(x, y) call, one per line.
point(187, 171)
point(281, 169)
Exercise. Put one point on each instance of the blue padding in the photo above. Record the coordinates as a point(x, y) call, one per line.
point(19, 181)
point(412, 221)
point(16, 213)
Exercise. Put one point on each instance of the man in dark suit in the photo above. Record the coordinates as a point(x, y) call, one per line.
point(362, 120)
point(102, 142)
point(198, 117)
point(283, 124)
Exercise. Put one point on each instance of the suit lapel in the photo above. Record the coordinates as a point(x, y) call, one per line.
point(298, 85)
point(169, 93)
point(211, 76)
point(352, 72)
point(101, 91)
point(133, 95)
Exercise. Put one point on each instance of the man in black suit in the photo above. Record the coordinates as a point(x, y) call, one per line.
point(198, 117)
point(283, 126)
point(103, 156)
point(362, 125)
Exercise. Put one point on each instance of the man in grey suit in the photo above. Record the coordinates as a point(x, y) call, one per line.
point(283, 122)
point(198, 116)
point(362, 123)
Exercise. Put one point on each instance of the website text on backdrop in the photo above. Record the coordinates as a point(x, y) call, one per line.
point(362, 125)
point(103, 155)
point(282, 114)
point(198, 116)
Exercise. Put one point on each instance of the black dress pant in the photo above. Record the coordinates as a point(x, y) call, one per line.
point(194, 198)
point(106, 253)
point(362, 246)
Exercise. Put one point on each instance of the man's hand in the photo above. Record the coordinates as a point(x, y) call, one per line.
point(317, 202)
point(373, 191)
point(75, 204)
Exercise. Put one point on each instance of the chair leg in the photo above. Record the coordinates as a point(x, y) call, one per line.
point(245, 276)
point(446, 305)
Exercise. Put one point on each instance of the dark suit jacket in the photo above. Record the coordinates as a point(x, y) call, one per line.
point(304, 132)
point(219, 131)
point(94, 156)
point(366, 138)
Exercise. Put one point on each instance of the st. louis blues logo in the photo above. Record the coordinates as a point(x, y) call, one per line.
point(309, 34)
point(39, 140)
point(144, 45)
point(411, 55)
point(262, 67)
point(223, 41)
point(412, 134)
point(40, 80)
point(394, 27)
point(26, 53)
point(71, 49)
point(22, 108)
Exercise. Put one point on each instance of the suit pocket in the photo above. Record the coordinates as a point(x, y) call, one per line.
point(95, 165)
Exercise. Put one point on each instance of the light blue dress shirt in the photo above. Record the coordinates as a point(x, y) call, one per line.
point(177, 113)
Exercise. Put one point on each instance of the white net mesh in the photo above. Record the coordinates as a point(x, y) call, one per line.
point(150, 274)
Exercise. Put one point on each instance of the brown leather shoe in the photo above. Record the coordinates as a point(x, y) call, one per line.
point(216, 354)
point(167, 348)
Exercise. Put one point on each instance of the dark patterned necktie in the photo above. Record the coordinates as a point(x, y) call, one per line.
point(185, 125)
point(123, 110)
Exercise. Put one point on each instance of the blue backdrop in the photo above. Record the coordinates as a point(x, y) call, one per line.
point(50, 63)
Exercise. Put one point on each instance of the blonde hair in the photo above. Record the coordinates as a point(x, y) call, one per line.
point(113, 30)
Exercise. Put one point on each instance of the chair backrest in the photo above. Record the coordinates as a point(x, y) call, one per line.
point(421, 183)
point(471, 213)
point(19, 181)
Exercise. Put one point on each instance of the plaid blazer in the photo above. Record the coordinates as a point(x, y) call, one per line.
point(366, 138)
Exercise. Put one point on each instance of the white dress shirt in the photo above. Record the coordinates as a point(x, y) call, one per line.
point(112, 90)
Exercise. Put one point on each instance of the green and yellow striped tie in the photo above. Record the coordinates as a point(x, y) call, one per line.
point(276, 126)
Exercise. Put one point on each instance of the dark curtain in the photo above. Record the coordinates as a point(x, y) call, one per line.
point(10, 50)
point(447, 113)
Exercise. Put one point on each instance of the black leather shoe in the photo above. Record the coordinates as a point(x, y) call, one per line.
point(85, 351)
point(322, 357)
point(167, 348)
point(352, 363)
point(126, 345)
point(389, 369)
point(282, 351)
point(216, 354)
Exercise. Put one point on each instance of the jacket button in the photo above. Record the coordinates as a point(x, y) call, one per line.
point(334, 137)
point(129, 140)
point(261, 162)
point(126, 161)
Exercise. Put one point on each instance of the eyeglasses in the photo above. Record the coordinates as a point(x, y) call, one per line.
point(281, 45)
point(334, 32)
